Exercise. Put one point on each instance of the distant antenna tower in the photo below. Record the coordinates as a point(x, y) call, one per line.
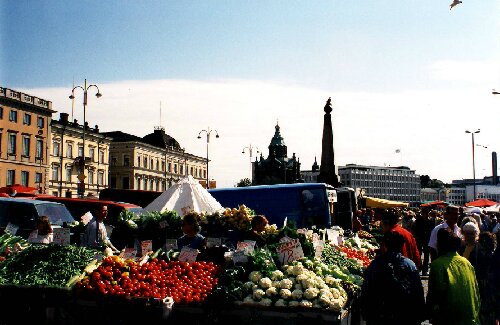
point(160, 127)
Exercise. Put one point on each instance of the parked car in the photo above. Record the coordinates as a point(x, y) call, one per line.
point(24, 213)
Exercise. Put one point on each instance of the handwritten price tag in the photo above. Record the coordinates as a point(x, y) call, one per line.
point(188, 255)
point(333, 236)
point(247, 246)
point(212, 242)
point(11, 228)
point(290, 251)
point(163, 224)
point(171, 244)
point(86, 218)
point(128, 253)
point(146, 247)
point(318, 248)
point(61, 236)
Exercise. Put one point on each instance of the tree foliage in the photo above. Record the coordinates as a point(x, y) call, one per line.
point(244, 182)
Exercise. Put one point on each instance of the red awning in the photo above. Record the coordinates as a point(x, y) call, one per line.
point(16, 188)
point(435, 203)
point(481, 203)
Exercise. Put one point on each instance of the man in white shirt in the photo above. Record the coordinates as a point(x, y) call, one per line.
point(95, 235)
point(451, 219)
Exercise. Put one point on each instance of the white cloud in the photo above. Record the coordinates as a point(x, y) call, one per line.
point(428, 126)
point(466, 71)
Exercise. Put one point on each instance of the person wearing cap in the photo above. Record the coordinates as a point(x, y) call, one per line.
point(390, 220)
point(453, 292)
point(450, 222)
point(392, 291)
point(469, 247)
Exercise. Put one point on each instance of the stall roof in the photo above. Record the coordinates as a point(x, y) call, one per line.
point(372, 202)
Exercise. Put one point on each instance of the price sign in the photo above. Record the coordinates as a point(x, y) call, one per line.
point(318, 248)
point(212, 242)
point(247, 246)
point(332, 235)
point(163, 224)
point(171, 244)
point(302, 231)
point(285, 222)
point(341, 240)
point(61, 236)
point(188, 255)
point(33, 236)
point(146, 247)
point(11, 228)
point(86, 218)
point(290, 251)
point(240, 257)
point(128, 253)
point(357, 241)
point(315, 237)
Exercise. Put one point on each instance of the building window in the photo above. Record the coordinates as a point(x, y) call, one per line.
point(138, 161)
point(39, 122)
point(55, 148)
point(113, 161)
point(145, 162)
point(126, 160)
point(157, 164)
point(192, 171)
point(39, 149)
point(26, 146)
point(25, 178)
point(205, 174)
point(92, 154)
point(162, 166)
point(182, 170)
point(1, 113)
point(151, 185)
point(101, 156)
point(80, 151)
point(11, 150)
point(68, 174)
point(152, 165)
point(100, 178)
point(175, 168)
point(27, 119)
point(169, 167)
point(38, 178)
point(91, 177)
point(11, 177)
point(13, 116)
point(145, 184)
point(55, 173)
point(69, 150)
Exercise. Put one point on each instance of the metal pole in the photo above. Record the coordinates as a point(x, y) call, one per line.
point(473, 167)
point(208, 140)
point(82, 181)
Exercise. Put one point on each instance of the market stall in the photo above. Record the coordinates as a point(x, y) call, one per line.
point(372, 202)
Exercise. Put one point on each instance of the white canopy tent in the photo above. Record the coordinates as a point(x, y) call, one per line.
point(185, 196)
point(494, 208)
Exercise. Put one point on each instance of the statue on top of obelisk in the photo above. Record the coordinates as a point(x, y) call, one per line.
point(327, 172)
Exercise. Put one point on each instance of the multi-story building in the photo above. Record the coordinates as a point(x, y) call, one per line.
point(24, 130)
point(311, 176)
point(392, 183)
point(456, 196)
point(66, 152)
point(152, 163)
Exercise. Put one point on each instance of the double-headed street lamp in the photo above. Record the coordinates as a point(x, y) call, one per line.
point(250, 149)
point(81, 176)
point(208, 131)
point(473, 159)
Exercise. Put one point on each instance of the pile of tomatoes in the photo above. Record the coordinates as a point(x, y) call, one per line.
point(184, 282)
point(359, 255)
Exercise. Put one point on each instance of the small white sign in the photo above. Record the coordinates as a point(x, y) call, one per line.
point(285, 222)
point(247, 246)
point(86, 218)
point(188, 255)
point(146, 247)
point(212, 242)
point(171, 244)
point(332, 235)
point(11, 228)
point(61, 236)
point(290, 251)
point(128, 253)
point(318, 248)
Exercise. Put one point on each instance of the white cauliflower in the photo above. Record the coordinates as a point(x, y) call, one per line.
point(285, 293)
point(297, 294)
point(335, 305)
point(308, 283)
point(255, 276)
point(258, 294)
point(276, 284)
point(248, 285)
point(298, 269)
point(276, 275)
point(335, 293)
point(255, 287)
point(293, 304)
point(286, 284)
point(301, 277)
point(265, 283)
point(330, 280)
point(280, 303)
point(266, 302)
point(305, 303)
point(311, 293)
point(324, 300)
point(288, 269)
point(272, 291)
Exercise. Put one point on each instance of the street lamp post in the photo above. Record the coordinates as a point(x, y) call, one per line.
point(473, 159)
point(81, 176)
point(208, 131)
point(250, 149)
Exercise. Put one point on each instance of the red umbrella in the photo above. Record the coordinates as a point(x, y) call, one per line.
point(481, 203)
point(16, 188)
point(435, 203)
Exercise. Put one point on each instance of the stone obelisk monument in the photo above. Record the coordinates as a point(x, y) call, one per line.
point(327, 172)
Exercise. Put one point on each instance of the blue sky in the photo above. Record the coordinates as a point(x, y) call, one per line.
point(380, 60)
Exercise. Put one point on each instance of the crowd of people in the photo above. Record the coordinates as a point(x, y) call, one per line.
point(457, 251)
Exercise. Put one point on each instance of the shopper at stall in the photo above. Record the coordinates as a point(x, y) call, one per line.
point(259, 224)
point(453, 294)
point(495, 284)
point(450, 222)
point(95, 235)
point(422, 229)
point(392, 291)
point(469, 247)
point(485, 276)
point(191, 229)
point(390, 220)
point(44, 231)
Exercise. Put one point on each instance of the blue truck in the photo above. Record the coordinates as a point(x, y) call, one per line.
point(305, 204)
